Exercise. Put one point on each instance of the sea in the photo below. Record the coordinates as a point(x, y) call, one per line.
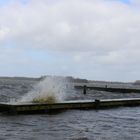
point(112, 124)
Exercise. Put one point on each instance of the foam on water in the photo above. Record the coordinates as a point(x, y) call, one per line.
point(54, 87)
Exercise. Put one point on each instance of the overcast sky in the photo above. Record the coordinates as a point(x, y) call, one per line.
point(93, 39)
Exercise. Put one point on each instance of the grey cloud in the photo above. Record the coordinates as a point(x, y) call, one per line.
point(72, 25)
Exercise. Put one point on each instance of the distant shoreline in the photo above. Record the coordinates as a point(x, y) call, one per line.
point(70, 78)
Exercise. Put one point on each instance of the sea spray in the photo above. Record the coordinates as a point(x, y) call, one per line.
point(51, 89)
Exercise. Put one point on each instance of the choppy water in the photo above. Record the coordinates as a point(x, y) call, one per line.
point(113, 124)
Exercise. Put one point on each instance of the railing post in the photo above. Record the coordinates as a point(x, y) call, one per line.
point(97, 104)
point(85, 89)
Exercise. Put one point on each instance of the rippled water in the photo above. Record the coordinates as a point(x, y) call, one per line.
point(113, 124)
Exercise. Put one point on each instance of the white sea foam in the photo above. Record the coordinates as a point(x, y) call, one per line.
point(56, 87)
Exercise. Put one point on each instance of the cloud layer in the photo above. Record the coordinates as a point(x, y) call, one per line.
point(98, 34)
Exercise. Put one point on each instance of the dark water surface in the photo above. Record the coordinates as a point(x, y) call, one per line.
point(121, 123)
point(112, 124)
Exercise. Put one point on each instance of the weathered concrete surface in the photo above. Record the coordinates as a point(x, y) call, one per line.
point(35, 108)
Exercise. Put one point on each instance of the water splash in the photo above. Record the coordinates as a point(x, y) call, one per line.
point(54, 87)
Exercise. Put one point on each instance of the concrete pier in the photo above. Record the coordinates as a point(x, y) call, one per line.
point(109, 89)
point(36, 108)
